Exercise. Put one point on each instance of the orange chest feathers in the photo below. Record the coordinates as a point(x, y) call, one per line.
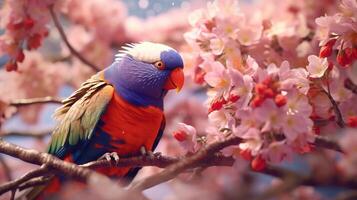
point(130, 127)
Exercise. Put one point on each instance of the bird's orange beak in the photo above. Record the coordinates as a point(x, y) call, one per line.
point(175, 80)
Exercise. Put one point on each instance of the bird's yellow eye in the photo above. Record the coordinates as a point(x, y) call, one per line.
point(160, 65)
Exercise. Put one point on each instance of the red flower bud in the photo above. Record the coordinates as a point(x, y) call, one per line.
point(15, 25)
point(331, 42)
point(28, 23)
point(246, 154)
point(352, 121)
point(260, 88)
point(258, 164)
point(20, 56)
point(216, 105)
point(316, 129)
point(180, 135)
point(11, 66)
point(199, 75)
point(343, 59)
point(210, 24)
point(330, 66)
point(233, 98)
point(269, 93)
point(325, 51)
point(267, 81)
point(280, 100)
point(34, 41)
point(257, 101)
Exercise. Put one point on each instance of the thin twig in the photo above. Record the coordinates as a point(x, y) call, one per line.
point(326, 143)
point(13, 192)
point(350, 85)
point(32, 101)
point(339, 118)
point(320, 141)
point(35, 182)
point(32, 174)
point(65, 39)
point(33, 134)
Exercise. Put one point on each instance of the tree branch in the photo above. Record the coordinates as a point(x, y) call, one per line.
point(170, 172)
point(35, 182)
point(54, 164)
point(350, 85)
point(65, 39)
point(32, 101)
point(206, 157)
point(326, 143)
point(51, 162)
point(33, 134)
point(339, 118)
point(12, 185)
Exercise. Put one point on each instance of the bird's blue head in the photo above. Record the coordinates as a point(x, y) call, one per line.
point(144, 72)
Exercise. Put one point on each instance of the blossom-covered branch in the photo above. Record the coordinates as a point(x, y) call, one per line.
point(204, 158)
point(51, 164)
point(173, 170)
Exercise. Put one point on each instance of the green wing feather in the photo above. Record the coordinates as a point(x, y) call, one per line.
point(80, 113)
point(77, 118)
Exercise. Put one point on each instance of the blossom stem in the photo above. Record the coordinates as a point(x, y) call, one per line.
point(350, 86)
point(339, 119)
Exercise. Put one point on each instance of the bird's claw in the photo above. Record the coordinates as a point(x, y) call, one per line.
point(112, 156)
point(157, 154)
point(150, 154)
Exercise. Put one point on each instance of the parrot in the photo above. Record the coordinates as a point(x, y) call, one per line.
point(118, 112)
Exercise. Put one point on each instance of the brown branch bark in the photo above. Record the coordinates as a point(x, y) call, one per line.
point(33, 134)
point(170, 172)
point(350, 85)
point(54, 164)
point(68, 44)
point(12, 185)
point(339, 119)
point(206, 157)
point(327, 143)
point(32, 101)
point(35, 182)
point(51, 162)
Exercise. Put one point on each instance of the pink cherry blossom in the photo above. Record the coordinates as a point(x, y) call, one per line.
point(190, 142)
point(317, 66)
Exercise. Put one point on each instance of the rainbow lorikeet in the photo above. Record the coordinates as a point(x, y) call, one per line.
point(119, 110)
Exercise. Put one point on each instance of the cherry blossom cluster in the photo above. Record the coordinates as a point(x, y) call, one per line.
point(338, 33)
point(268, 82)
point(25, 28)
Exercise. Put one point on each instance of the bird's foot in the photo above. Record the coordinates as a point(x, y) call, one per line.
point(112, 156)
point(147, 153)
